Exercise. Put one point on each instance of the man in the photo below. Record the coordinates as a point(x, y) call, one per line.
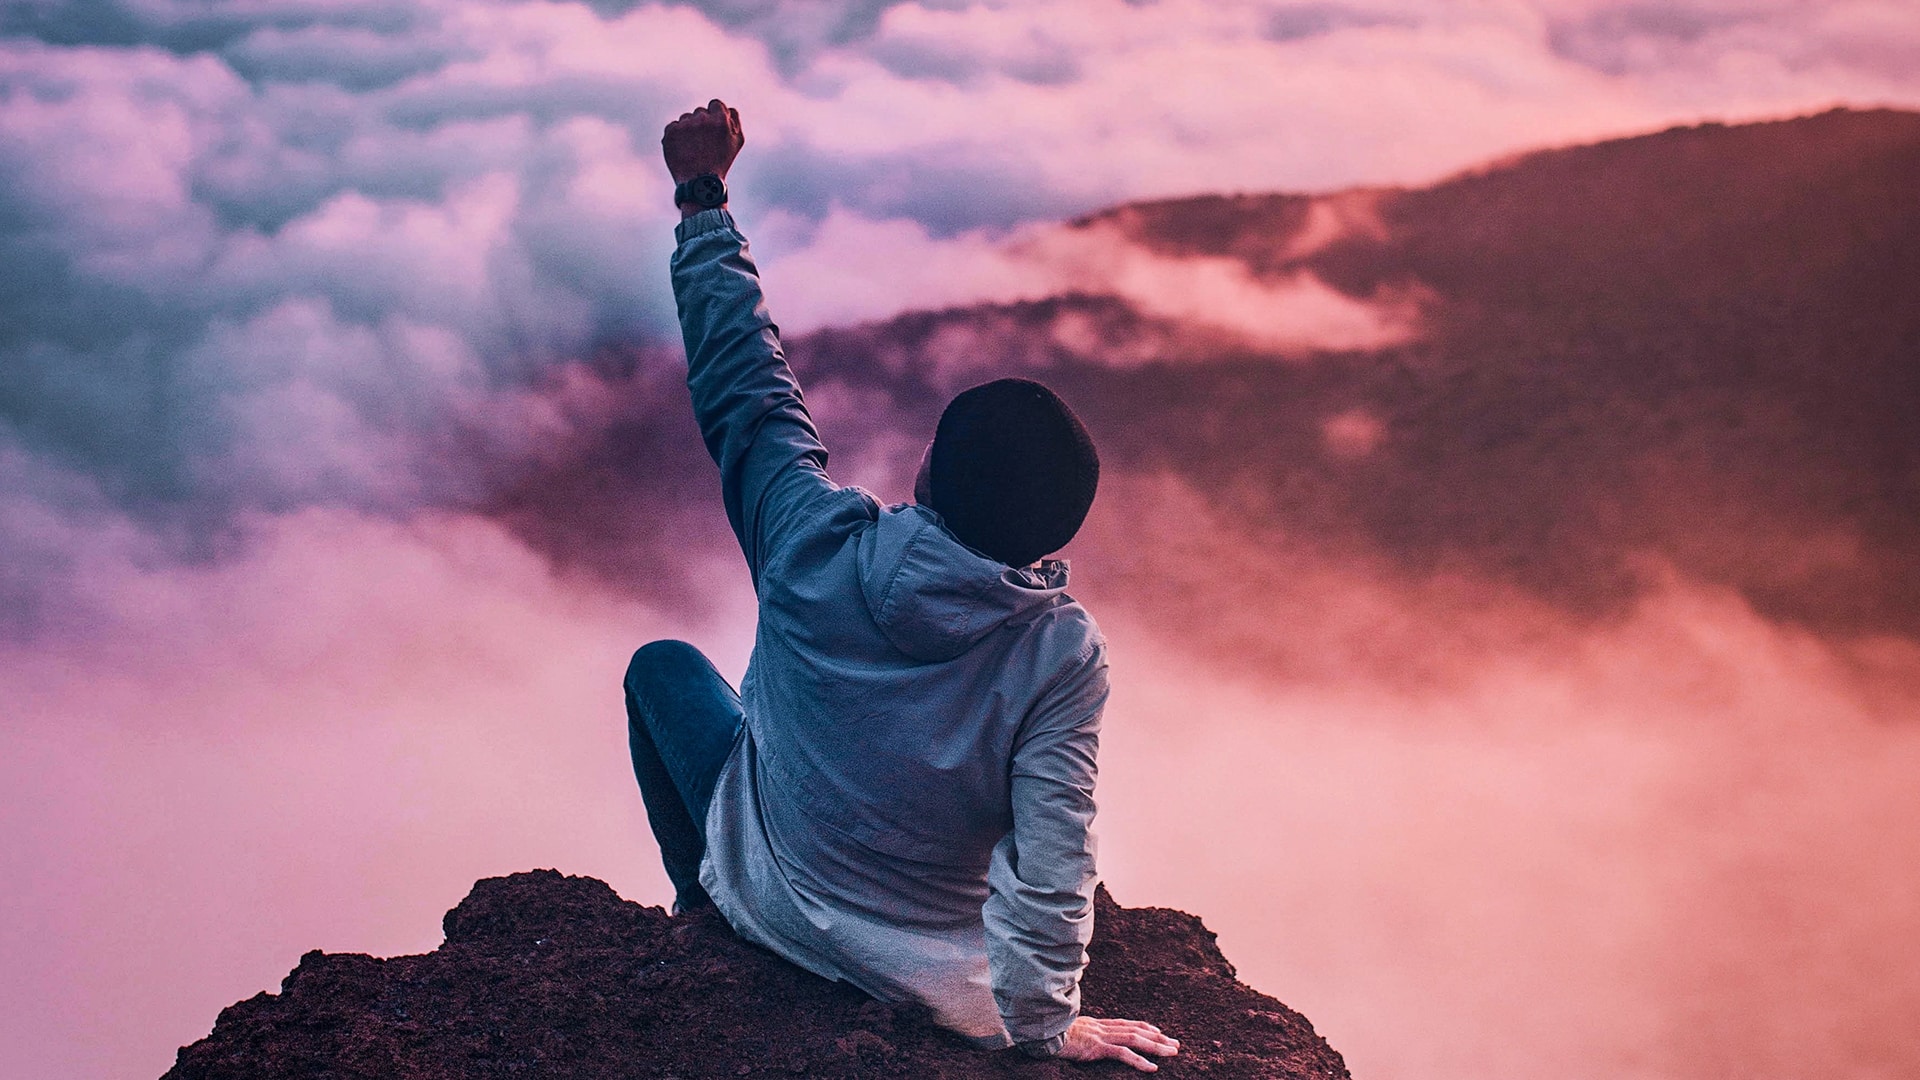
point(900, 795)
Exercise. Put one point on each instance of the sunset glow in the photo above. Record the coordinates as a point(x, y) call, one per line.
point(344, 461)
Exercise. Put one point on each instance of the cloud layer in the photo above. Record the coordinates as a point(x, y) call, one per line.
point(1665, 849)
point(269, 256)
point(302, 302)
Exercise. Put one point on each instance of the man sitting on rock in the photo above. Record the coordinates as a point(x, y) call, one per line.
point(900, 795)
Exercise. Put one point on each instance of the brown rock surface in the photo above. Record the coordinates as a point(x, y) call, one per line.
point(549, 976)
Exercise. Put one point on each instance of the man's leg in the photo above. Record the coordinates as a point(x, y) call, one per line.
point(681, 721)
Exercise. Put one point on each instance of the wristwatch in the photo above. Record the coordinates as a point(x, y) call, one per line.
point(706, 190)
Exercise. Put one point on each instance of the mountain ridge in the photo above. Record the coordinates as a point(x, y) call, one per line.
point(1697, 345)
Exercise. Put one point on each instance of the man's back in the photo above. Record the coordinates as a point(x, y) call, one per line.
point(906, 700)
point(901, 794)
point(895, 675)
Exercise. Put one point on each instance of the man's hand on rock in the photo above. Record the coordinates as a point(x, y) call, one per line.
point(705, 140)
point(1092, 1039)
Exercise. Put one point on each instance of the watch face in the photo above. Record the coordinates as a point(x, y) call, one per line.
point(707, 190)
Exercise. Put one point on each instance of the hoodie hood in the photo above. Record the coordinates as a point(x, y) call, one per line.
point(934, 597)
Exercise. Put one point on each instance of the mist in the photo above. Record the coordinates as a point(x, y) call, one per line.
point(1515, 655)
point(1670, 847)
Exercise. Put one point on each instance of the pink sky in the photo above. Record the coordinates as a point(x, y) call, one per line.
point(309, 709)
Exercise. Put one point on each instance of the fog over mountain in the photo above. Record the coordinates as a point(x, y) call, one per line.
point(279, 256)
point(1509, 572)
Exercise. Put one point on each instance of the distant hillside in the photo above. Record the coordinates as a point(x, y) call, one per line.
point(1697, 349)
point(1702, 344)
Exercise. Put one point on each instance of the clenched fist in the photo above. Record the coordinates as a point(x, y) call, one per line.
point(705, 140)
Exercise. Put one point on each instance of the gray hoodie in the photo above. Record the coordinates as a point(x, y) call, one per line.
point(908, 805)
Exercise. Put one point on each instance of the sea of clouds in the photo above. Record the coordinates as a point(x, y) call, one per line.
point(266, 255)
point(287, 289)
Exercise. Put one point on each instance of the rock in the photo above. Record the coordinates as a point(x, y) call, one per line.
point(543, 975)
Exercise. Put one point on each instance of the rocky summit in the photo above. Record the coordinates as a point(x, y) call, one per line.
point(544, 975)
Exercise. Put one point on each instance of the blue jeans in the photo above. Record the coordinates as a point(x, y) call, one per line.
point(682, 718)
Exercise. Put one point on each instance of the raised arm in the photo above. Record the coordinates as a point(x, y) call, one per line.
point(745, 398)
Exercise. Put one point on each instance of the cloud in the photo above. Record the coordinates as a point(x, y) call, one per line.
point(1256, 96)
point(54, 523)
point(957, 46)
point(290, 287)
point(1378, 782)
point(849, 269)
point(322, 741)
point(1300, 22)
point(180, 181)
point(354, 58)
point(1653, 854)
point(1292, 313)
point(1859, 39)
point(183, 26)
point(223, 295)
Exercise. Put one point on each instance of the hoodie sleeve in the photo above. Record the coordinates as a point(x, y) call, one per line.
point(1039, 909)
point(745, 398)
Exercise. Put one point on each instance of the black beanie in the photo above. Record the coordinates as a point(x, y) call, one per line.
point(1013, 470)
